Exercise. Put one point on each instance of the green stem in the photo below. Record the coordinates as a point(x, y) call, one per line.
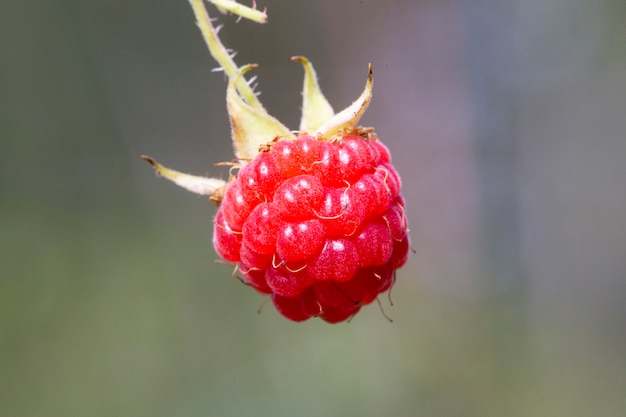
point(221, 55)
point(250, 13)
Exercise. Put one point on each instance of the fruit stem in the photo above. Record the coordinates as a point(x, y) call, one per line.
point(218, 50)
point(246, 12)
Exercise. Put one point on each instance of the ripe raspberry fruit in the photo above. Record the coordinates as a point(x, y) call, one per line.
point(316, 220)
point(327, 238)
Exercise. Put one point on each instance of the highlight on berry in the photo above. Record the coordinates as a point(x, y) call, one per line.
point(312, 218)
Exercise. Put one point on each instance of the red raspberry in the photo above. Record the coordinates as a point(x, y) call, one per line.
point(320, 225)
point(317, 221)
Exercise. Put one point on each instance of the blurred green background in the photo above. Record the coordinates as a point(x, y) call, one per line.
point(507, 122)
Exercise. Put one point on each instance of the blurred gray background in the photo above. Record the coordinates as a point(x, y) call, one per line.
point(507, 122)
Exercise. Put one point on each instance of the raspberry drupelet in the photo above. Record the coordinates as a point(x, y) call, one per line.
point(314, 220)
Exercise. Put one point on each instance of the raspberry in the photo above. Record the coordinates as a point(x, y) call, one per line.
point(315, 218)
point(324, 239)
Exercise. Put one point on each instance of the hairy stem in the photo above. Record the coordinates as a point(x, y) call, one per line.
point(219, 52)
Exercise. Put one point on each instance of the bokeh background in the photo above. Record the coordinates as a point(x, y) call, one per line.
point(507, 122)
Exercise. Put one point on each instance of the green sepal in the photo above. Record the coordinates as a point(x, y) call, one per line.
point(316, 110)
point(251, 127)
point(193, 183)
point(348, 118)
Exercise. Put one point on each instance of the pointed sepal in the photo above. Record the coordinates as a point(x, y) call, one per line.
point(198, 185)
point(251, 127)
point(348, 118)
point(316, 110)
